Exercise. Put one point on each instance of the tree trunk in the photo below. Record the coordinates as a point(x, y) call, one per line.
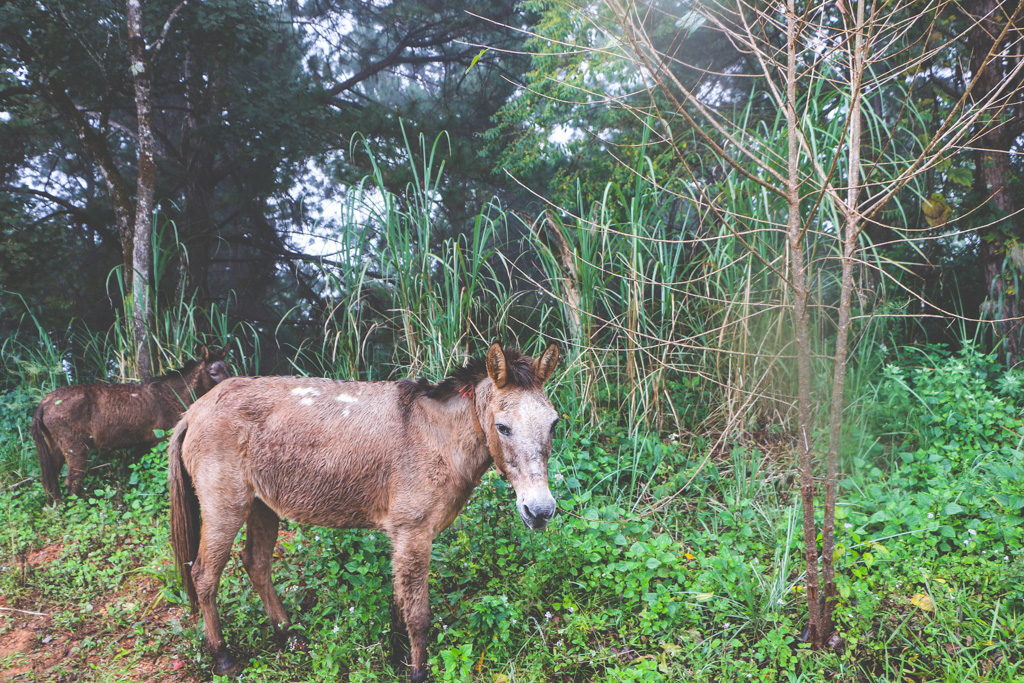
point(992, 179)
point(850, 235)
point(564, 257)
point(816, 627)
point(142, 256)
point(579, 331)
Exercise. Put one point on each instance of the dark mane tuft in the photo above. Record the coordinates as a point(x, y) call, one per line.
point(520, 374)
point(474, 371)
point(180, 372)
point(520, 370)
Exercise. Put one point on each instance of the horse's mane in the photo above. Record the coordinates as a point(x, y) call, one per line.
point(180, 372)
point(519, 369)
point(167, 376)
point(184, 370)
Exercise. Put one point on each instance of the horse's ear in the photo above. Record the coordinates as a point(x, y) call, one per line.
point(497, 369)
point(204, 353)
point(545, 365)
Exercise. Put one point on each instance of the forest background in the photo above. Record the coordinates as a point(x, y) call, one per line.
point(779, 245)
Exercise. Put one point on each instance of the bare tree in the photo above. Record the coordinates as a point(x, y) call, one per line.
point(93, 128)
point(827, 164)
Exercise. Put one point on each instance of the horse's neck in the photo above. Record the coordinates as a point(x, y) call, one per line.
point(467, 448)
point(181, 385)
point(475, 415)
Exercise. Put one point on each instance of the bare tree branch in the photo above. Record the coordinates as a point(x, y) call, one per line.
point(167, 27)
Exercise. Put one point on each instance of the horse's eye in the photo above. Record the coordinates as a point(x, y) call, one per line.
point(504, 430)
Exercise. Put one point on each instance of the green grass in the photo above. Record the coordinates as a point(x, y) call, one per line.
point(707, 588)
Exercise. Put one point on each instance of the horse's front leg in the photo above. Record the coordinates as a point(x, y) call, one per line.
point(410, 563)
point(260, 538)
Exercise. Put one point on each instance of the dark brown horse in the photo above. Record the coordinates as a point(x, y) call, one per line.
point(72, 420)
point(401, 457)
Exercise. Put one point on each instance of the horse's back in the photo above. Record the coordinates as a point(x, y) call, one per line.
point(68, 411)
point(316, 451)
point(111, 415)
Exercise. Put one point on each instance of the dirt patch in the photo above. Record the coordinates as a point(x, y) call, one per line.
point(14, 672)
point(44, 555)
point(18, 640)
point(34, 649)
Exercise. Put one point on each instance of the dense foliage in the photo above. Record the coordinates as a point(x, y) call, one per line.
point(258, 110)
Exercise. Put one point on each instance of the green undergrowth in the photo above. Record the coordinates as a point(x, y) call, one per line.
point(669, 560)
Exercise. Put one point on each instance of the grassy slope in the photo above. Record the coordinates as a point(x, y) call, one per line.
point(705, 587)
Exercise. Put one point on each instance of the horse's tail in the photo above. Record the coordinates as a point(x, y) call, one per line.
point(184, 512)
point(50, 459)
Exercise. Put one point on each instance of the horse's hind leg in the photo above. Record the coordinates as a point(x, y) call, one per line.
point(260, 537)
point(214, 549)
point(410, 563)
point(75, 451)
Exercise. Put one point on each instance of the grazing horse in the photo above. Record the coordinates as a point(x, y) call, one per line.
point(401, 457)
point(74, 419)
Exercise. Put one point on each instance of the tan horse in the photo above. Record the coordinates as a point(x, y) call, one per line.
point(72, 420)
point(401, 457)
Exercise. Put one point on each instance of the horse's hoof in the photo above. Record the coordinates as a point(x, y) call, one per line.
point(418, 676)
point(226, 665)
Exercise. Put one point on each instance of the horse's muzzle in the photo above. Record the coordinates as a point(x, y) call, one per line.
point(536, 512)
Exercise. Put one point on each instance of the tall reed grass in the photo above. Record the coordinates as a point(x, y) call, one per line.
point(409, 293)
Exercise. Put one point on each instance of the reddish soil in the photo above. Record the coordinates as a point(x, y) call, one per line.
point(33, 648)
point(44, 555)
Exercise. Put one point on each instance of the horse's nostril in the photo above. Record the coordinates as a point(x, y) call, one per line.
point(539, 511)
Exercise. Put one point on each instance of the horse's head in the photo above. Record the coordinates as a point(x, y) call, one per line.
point(211, 370)
point(519, 423)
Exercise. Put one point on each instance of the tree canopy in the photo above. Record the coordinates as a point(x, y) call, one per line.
point(267, 116)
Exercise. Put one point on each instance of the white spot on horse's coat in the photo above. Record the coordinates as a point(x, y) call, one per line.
point(345, 398)
point(306, 401)
point(345, 414)
point(134, 395)
point(302, 391)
